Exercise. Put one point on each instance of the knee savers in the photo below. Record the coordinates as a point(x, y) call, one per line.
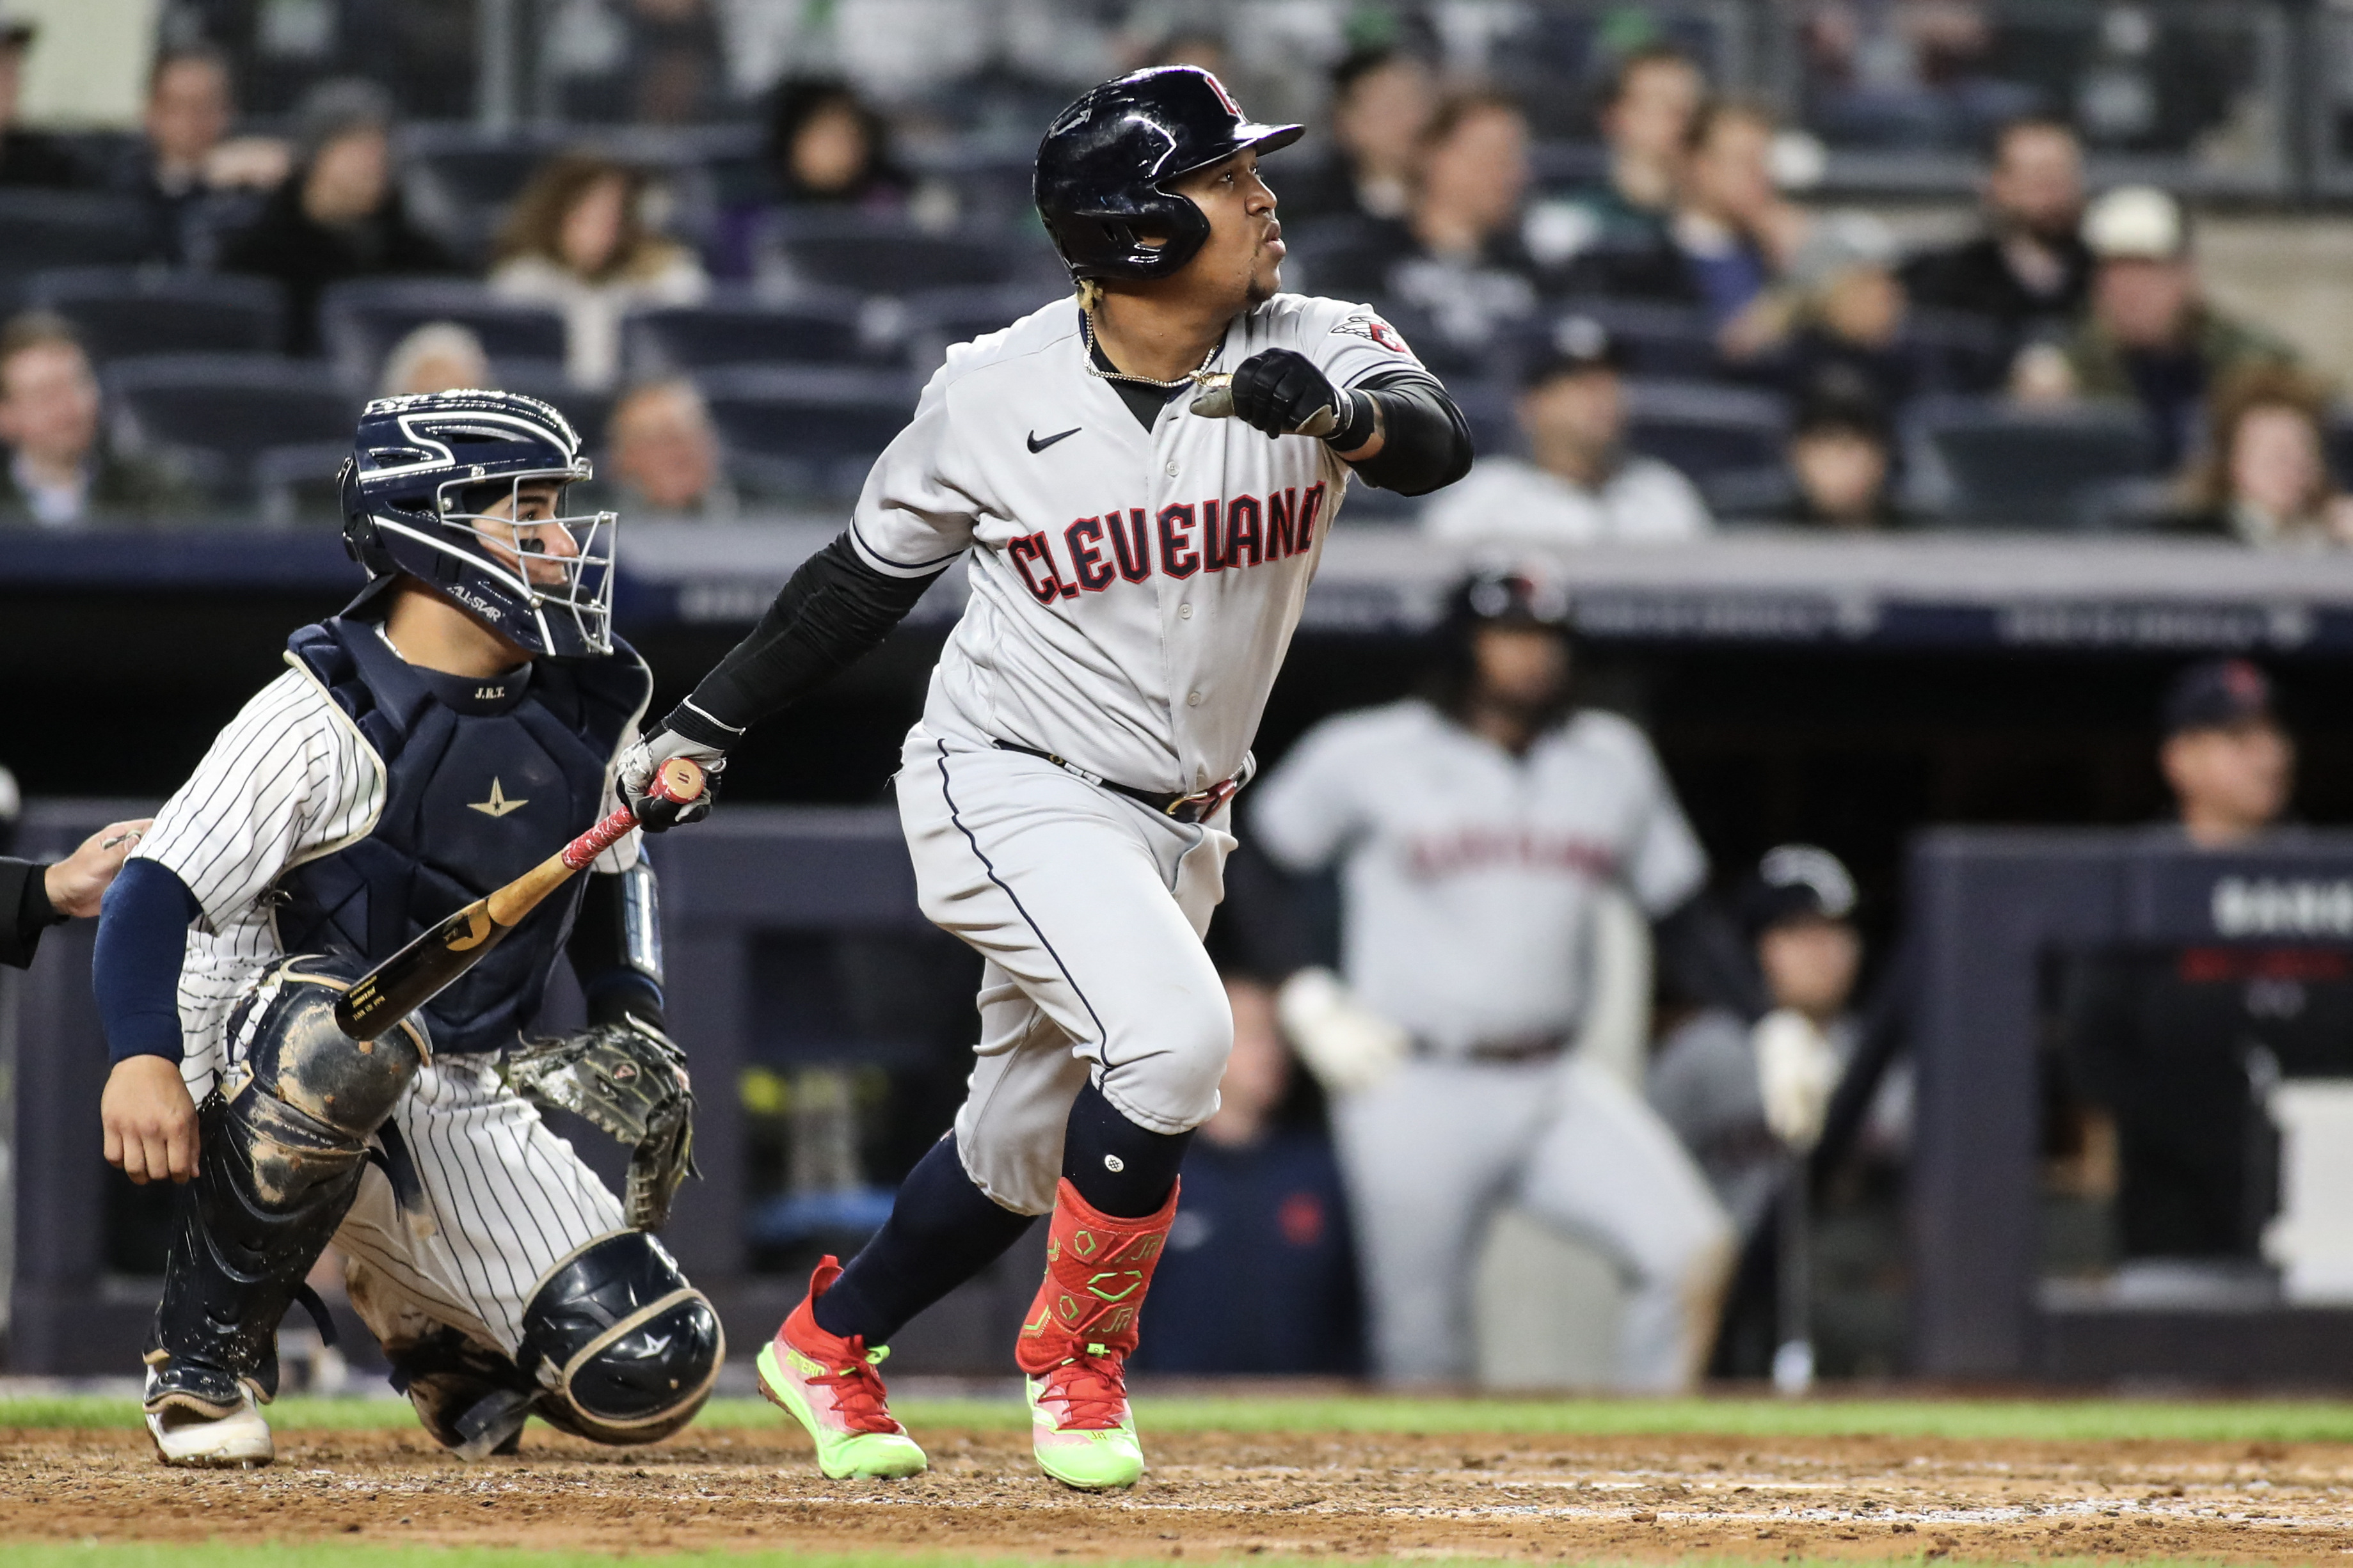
point(622, 1347)
point(284, 1033)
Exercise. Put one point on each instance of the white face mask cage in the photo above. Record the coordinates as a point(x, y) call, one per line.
point(519, 556)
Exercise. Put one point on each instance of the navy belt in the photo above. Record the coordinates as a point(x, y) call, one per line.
point(1188, 809)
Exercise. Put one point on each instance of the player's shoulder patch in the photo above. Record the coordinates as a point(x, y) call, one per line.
point(1363, 321)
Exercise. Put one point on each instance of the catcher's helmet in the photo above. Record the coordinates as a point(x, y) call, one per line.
point(1103, 168)
point(422, 473)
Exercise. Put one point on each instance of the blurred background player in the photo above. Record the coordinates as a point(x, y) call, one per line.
point(2174, 1049)
point(1478, 833)
point(455, 726)
point(1750, 1099)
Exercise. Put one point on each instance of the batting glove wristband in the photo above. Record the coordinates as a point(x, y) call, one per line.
point(644, 758)
point(1282, 393)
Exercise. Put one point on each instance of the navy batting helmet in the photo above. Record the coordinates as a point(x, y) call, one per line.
point(1103, 169)
point(422, 494)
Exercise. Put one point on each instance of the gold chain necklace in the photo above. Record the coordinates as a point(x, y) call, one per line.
point(1198, 376)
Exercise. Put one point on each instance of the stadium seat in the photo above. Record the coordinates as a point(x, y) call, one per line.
point(1706, 431)
point(299, 484)
point(2337, 438)
point(1487, 405)
point(1669, 342)
point(877, 256)
point(1484, 351)
point(1960, 354)
point(807, 434)
point(588, 411)
point(458, 181)
point(216, 414)
point(929, 321)
point(1997, 465)
point(746, 332)
point(361, 322)
point(124, 311)
point(43, 230)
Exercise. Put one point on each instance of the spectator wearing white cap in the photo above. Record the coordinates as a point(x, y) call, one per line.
point(1578, 485)
point(2151, 336)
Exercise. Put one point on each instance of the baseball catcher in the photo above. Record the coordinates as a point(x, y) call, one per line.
point(455, 725)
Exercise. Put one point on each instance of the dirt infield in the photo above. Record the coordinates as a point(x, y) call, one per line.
point(1210, 1495)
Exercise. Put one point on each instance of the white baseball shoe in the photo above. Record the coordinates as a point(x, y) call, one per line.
point(202, 1429)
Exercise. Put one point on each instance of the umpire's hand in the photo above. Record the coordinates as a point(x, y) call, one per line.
point(151, 1123)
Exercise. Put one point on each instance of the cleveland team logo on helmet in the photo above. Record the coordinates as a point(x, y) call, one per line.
point(417, 493)
point(1101, 183)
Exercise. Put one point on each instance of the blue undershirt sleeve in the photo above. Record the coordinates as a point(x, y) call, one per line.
point(143, 935)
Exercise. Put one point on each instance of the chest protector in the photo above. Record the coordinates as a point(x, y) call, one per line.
point(483, 779)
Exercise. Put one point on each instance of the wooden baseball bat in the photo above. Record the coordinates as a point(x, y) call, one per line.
point(421, 971)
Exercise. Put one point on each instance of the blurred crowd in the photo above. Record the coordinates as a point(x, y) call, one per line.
point(1652, 335)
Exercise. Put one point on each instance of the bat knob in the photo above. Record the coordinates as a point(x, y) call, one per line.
point(678, 781)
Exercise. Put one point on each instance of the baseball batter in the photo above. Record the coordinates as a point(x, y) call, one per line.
point(455, 725)
point(1474, 834)
point(1142, 479)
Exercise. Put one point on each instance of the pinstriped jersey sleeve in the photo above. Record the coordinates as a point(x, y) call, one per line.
point(289, 778)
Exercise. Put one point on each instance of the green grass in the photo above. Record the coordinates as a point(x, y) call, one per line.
point(2054, 1420)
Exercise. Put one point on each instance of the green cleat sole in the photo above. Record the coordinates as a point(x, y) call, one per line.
point(871, 1456)
point(1099, 1462)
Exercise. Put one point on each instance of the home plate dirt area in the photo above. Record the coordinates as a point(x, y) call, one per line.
point(1213, 1495)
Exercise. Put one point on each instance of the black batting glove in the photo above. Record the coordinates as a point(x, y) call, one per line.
point(1282, 393)
point(644, 757)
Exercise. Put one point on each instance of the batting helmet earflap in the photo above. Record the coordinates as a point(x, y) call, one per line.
point(1104, 167)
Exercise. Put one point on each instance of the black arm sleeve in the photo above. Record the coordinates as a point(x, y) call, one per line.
point(25, 911)
point(1426, 444)
point(611, 980)
point(835, 609)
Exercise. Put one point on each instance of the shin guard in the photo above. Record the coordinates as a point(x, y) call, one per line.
point(1097, 1271)
point(272, 1185)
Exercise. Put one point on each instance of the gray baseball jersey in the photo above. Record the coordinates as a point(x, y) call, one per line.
point(1134, 590)
point(1469, 873)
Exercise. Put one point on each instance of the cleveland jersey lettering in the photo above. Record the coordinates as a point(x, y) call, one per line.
point(1134, 590)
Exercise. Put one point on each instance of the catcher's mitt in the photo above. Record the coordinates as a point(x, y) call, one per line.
point(630, 1079)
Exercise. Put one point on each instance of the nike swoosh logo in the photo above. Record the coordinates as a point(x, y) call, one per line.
point(1038, 446)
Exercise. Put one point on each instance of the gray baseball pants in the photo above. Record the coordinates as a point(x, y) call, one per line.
point(1432, 1153)
point(1089, 908)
